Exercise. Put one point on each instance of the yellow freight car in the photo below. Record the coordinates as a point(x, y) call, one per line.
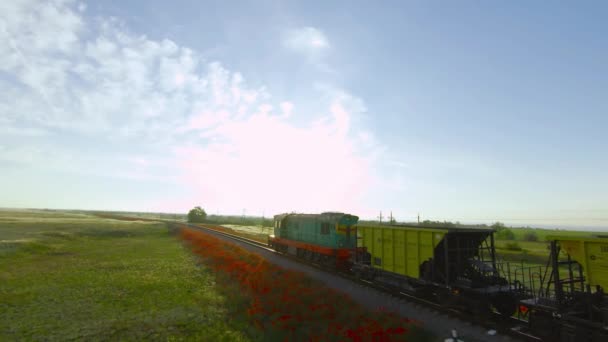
point(400, 249)
point(591, 253)
point(570, 303)
point(452, 265)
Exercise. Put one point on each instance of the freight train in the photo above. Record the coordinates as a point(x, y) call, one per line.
point(455, 267)
point(458, 268)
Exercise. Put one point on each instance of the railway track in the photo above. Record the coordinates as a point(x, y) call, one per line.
point(506, 329)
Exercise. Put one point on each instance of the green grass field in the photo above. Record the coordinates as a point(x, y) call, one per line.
point(543, 234)
point(533, 252)
point(528, 259)
point(67, 276)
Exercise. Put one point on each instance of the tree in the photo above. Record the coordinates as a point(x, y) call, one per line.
point(505, 234)
point(502, 232)
point(197, 214)
point(428, 223)
point(498, 226)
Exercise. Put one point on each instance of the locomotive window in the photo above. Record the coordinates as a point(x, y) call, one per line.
point(324, 228)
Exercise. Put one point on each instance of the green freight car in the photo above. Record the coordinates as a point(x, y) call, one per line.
point(454, 266)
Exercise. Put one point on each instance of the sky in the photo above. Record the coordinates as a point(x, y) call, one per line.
point(469, 111)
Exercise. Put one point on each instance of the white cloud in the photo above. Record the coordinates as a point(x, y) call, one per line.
point(307, 40)
point(12, 131)
point(211, 127)
point(267, 163)
point(341, 117)
point(61, 77)
point(286, 108)
point(29, 154)
point(310, 42)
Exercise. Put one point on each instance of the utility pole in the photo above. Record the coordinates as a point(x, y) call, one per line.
point(391, 221)
point(418, 218)
point(380, 217)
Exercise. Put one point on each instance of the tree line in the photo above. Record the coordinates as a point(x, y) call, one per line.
point(198, 215)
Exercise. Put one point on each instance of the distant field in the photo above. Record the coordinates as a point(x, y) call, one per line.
point(256, 230)
point(70, 276)
point(532, 252)
point(544, 233)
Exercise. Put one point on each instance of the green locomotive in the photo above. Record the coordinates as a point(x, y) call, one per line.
point(328, 238)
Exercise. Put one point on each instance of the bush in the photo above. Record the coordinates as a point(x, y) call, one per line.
point(241, 220)
point(530, 236)
point(505, 234)
point(513, 246)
